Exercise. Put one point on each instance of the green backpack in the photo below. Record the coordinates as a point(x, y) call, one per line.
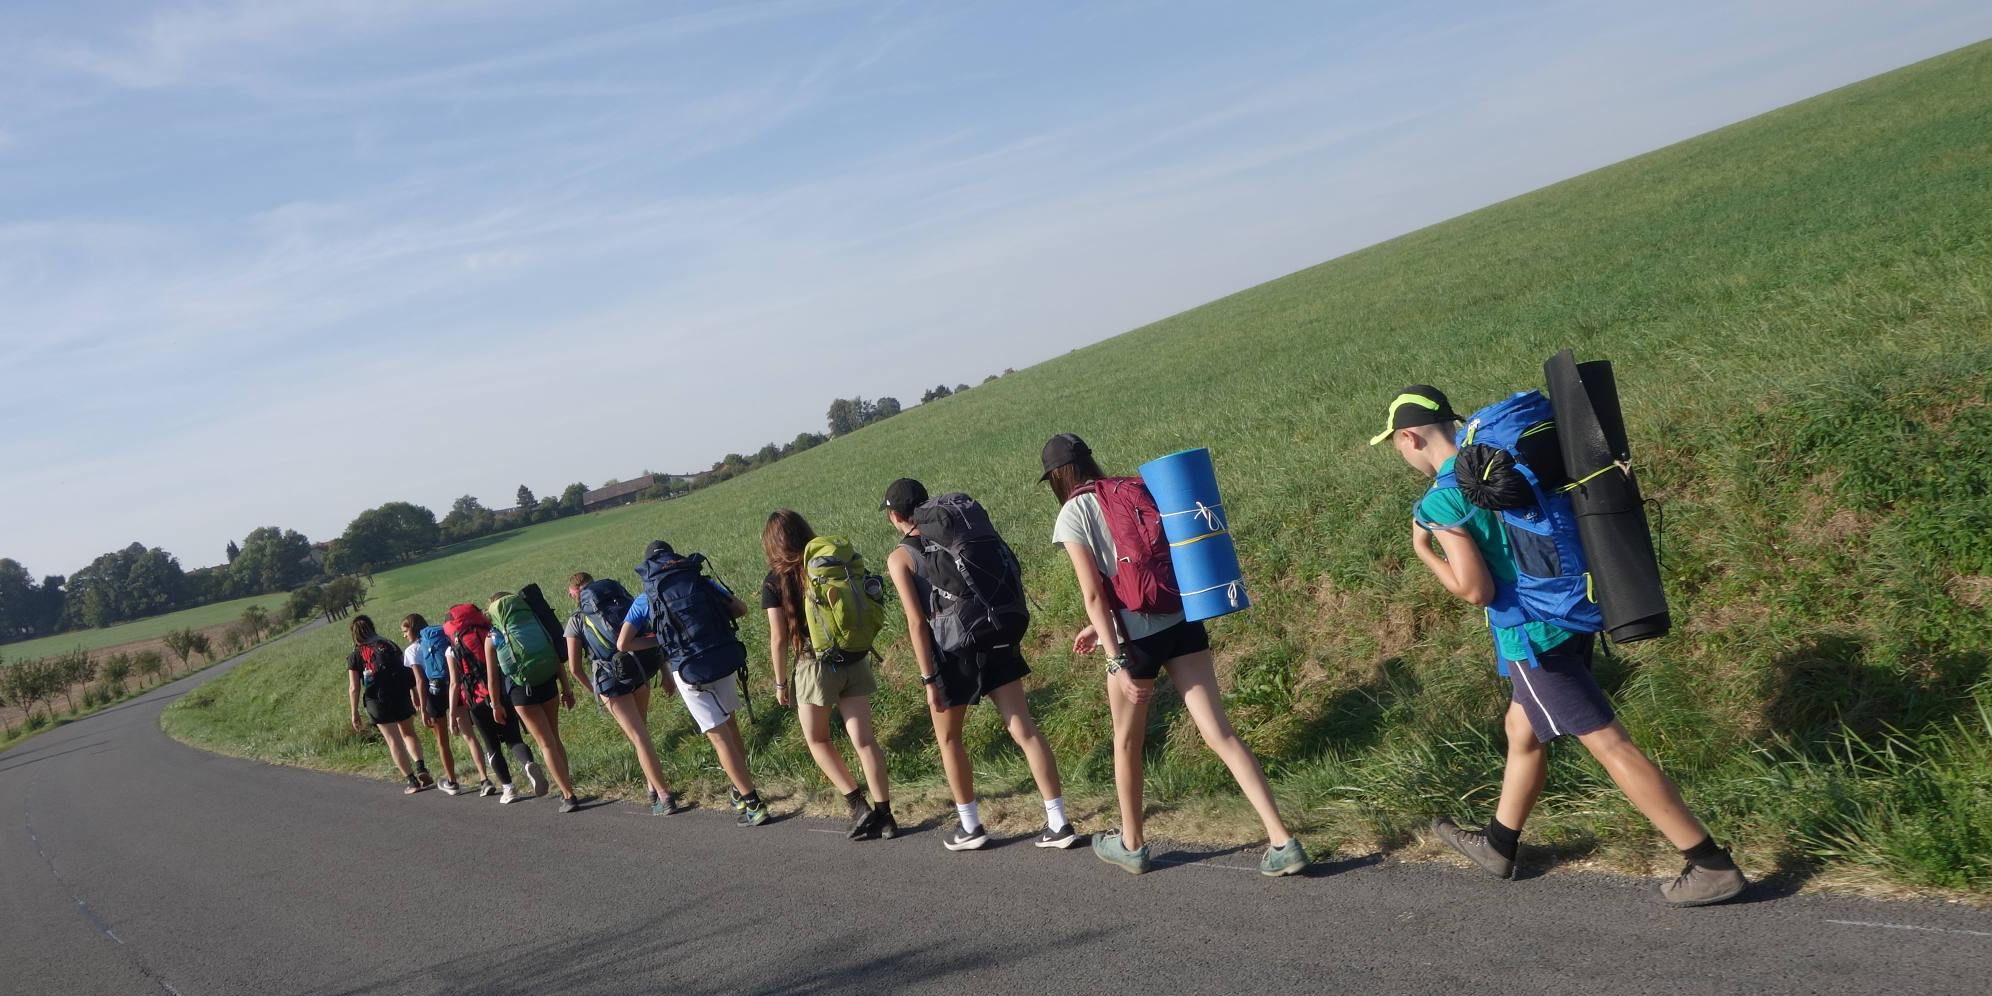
point(845, 603)
point(526, 655)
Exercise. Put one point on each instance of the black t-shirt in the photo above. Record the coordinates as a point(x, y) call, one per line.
point(771, 592)
point(392, 671)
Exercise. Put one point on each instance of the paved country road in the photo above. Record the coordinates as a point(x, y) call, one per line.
point(131, 864)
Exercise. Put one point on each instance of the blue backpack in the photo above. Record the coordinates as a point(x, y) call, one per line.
point(1511, 442)
point(604, 603)
point(693, 621)
point(434, 644)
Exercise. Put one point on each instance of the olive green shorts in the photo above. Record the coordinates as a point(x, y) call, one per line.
point(821, 685)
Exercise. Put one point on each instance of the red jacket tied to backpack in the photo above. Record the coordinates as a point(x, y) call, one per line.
point(467, 627)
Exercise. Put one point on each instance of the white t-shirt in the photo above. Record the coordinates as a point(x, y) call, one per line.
point(412, 657)
point(1083, 521)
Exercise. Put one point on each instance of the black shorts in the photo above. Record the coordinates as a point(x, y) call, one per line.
point(1559, 695)
point(397, 706)
point(437, 705)
point(1146, 656)
point(607, 686)
point(967, 677)
point(523, 695)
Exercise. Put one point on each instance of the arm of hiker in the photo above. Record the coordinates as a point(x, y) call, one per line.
point(735, 606)
point(575, 655)
point(353, 697)
point(449, 660)
point(629, 639)
point(778, 642)
point(1099, 631)
point(1460, 568)
point(491, 680)
point(899, 564)
point(566, 689)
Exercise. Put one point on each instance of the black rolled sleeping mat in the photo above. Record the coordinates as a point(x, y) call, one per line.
point(1611, 518)
point(555, 632)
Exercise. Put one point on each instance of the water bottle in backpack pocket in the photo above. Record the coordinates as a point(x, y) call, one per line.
point(845, 603)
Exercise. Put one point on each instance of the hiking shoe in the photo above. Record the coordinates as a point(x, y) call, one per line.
point(537, 777)
point(427, 780)
point(450, 787)
point(1287, 859)
point(887, 826)
point(964, 839)
point(863, 825)
point(1699, 886)
point(1109, 848)
point(510, 796)
point(666, 804)
point(412, 787)
point(486, 790)
point(734, 799)
point(752, 814)
point(1474, 845)
point(1059, 837)
point(569, 803)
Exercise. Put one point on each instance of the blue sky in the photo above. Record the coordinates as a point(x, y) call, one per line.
point(274, 263)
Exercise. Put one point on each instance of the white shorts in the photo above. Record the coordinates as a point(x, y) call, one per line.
point(710, 705)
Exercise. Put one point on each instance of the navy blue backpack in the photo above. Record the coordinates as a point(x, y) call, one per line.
point(604, 603)
point(1552, 581)
point(693, 621)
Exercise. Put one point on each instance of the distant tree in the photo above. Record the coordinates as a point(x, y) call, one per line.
point(959, 388)
point(468, 518)
point(845, 416)
point(304, 602)
point(806, 441)
point(383, 536)
point(148, 664)
point(18, 600)
point(272, 559)
point(573, 498)
point(547, 510)
point(525, 498)
point(255, 622)
point(202, 646)
point(233, 551)
point(989, 379)
point(180, 643)
point(1007, 371)
point(70, 670)
point(936, 393)
point(885, 408)
point(767, 454)
point(117, 670)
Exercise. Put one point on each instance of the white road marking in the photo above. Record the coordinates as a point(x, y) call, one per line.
point(1911, 926)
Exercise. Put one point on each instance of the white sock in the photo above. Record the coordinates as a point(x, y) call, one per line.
point(971, 819)
point(1054, 813)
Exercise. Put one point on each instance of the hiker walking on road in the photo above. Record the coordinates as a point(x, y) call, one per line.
point(472, 701)
point(691, 620)
point(966, 617)
point(378, 681)
point(621, 679)
point(1553, 693)
point(520, 659)
point(427, 659)
point(823, 611)
point(1111, 530)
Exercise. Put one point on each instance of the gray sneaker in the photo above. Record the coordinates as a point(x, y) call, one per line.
point(1109, 848)
point(1474, 845)
point(1287, 859)
point(1698, 886)
point(536, 777)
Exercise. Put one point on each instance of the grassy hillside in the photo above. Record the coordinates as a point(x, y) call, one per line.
point(1798, 307)
point(139, 630)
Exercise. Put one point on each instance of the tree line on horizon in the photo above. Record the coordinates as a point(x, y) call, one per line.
point(139, 581)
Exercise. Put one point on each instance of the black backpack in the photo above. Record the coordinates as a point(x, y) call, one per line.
point(975, 590)
point(604, 603)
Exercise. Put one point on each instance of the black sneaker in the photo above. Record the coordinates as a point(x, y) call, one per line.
point(1059, 837)
point(570, 803)
point(966, 840)
point(864, 825)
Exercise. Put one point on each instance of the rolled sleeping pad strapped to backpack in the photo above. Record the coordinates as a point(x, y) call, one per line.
point(548, 620)
point(1611, 518)
point(1207, 573)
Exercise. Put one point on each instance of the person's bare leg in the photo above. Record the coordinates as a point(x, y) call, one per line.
point(1642, 781)
point(468, 730)
point(1195, 676)
point(1527, 771)
point(443, 754)
point(732, 751)
point(411, 741)
point(397, 749)
point(816, 732)
point(641, 697)
point(1016, 711)
point(954, 756)
point(858, 724)
point(1130, 732)
point(547, 732)
point(630, 718)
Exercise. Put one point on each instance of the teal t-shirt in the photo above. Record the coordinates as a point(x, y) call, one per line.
point(1448, 505)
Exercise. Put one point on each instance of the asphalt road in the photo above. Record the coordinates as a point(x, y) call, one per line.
point(130, 864)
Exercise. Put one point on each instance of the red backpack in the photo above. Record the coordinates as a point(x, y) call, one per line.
point(1144, 577)
point(467, 626)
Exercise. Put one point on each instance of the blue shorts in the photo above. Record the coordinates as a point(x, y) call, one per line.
point(1560, 696)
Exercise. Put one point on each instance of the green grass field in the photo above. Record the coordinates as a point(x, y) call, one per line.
point(139, 629)
point(1800, 308)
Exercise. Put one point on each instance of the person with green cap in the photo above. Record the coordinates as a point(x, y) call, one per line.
point(1553, 693)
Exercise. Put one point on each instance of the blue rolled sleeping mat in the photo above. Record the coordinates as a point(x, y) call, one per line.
point(1611, 518)
point(1207, 573)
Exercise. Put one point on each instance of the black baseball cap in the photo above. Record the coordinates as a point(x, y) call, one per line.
point(656, 547)
point(1419, 404)
point(1061, 450)
point(903, 496)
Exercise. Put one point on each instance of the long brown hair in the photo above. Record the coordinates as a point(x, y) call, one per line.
point(363, 631)
point(782, 540)
point(1066, 479)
